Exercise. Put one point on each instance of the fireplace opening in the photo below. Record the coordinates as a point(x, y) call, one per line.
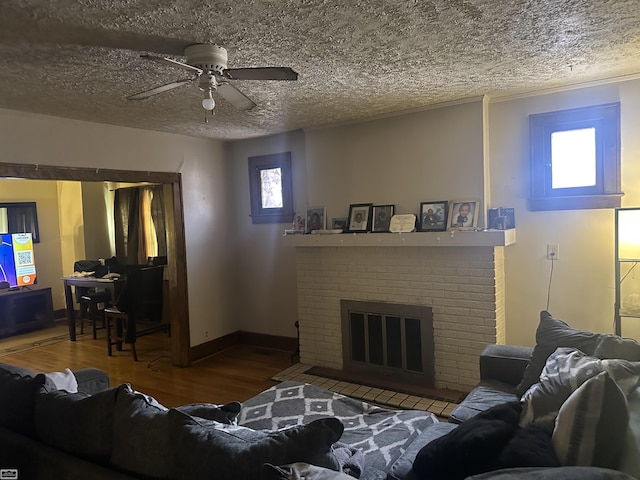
point(388, 342)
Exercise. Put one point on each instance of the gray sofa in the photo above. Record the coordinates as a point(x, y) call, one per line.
point(543, 385)
point(116, 433)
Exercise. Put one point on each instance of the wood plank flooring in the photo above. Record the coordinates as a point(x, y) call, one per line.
point(237, 373)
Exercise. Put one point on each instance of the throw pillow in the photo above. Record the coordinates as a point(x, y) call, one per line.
point(17, 400)
point(205, 448)
point(77, 423)
point(590, 425)
point(473, 447)
point(630, 460)
point(565, 370)
point(551, 334)
point(141, 441)
point(64, 380)
point(530, 447)
point(613, 346)
point(227, 413)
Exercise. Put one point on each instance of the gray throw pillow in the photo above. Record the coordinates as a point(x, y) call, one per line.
point(77, 423)
point(551, 334)
point(589, 428)
point(208, 449)
point(613, 346)
point(566, 370)
point(141, 441)
point(17, 400)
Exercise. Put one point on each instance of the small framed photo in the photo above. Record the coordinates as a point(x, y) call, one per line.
point(339, 223)
point(359, 217)
point(463, 214)
point(433, 216)
point(315, 219)
point(381, 217)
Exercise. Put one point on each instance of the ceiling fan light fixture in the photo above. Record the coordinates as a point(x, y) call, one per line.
point(208, 103)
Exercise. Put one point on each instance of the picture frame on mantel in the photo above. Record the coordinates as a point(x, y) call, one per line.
point(359, 220)
point(434, 215)
point(381, 217)
point(463, 214)
point(315, 219)
point(339, 223)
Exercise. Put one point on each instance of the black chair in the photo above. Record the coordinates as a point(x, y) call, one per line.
point(90, 302)
point(138, 309)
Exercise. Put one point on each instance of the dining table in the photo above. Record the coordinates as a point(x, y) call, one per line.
point(112, 285)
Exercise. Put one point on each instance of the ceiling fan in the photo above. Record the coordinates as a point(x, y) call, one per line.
point(208, 66)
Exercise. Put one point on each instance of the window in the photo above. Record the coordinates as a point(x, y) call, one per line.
point(575, 158)
point(270, 187)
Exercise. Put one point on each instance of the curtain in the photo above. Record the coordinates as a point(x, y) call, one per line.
point(139, 224)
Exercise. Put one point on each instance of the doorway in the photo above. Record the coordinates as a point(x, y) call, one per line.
point(176, 250)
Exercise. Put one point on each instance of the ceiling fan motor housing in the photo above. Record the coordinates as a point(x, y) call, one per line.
point(207, 57)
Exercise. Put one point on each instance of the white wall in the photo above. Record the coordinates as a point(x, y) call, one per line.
point(582, 290)
point(37, 139)
point(262, 275)
point(434, 154)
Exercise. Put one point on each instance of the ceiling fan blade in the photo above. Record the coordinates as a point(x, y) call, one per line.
point(160, 89)
point(261, 73)
point(173, 63)
point(235, 97)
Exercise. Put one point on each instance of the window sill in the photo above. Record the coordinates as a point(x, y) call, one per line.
point(582, 202)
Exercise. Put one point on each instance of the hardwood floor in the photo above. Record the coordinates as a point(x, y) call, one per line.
point(237, 373)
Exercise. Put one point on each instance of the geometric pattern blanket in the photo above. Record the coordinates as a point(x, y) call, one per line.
point(381, 434)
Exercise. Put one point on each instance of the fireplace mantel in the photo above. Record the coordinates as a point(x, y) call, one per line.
point(483, 238)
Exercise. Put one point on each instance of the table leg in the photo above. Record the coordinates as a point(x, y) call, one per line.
point(71, 317)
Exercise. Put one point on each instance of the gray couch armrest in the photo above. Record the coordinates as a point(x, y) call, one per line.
point(504, 363)
point(91, 380)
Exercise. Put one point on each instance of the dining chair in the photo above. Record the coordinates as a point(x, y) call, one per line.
point(90, 309)
point(138, 309)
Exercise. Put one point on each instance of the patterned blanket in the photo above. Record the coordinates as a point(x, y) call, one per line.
point(381, 434)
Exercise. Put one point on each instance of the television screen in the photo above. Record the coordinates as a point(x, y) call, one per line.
point(17, 265)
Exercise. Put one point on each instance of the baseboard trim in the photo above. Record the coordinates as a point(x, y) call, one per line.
point(287, 344)
point(275, 342)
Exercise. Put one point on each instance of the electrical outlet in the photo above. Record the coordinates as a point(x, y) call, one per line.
point(206, 334)
point(553, 251)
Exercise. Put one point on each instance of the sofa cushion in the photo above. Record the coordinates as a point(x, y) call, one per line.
point(401, 468)
point(141, 441)
point(205, 448)
point(17, 400)
point(565, 370)
point(23, 372)
point(558, 473)
point(590, 423)
point(484, 396)
point(551, 334)
point(77, 423)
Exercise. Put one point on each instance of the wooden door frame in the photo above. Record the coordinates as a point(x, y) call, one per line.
point(176, 249)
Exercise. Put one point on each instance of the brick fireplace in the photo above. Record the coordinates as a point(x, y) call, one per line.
point(461, 278)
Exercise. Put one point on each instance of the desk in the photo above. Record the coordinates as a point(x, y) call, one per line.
point(111, 285)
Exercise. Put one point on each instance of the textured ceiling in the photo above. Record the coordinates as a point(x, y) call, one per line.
point(81, 58)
